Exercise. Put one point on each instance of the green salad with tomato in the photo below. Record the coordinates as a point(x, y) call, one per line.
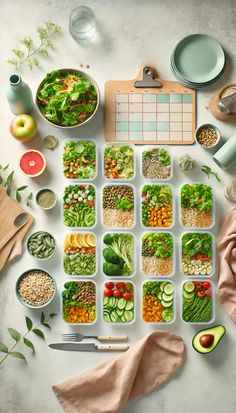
point(66, 99)
point(197, 305)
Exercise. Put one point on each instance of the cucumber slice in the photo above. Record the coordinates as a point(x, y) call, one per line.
point(128, 315)
point(105, 301)
point(112, 302)
point(167, 315)
point(167, 298)
point(188, 296)
point(114, 317)
point(123, 319)
point(119, 312)
point(162, 285)
point(159, 295)
point(121, 303)
point(129, 305)
point(168, 289)
point(106, 317)
point(166, 304)
point(189, 286)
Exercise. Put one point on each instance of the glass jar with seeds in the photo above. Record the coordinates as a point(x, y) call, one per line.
point(156, 163)
point(41, 245)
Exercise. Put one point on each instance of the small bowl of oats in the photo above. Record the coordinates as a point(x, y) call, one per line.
point(35, 288)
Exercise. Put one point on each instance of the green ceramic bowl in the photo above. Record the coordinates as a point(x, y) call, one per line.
point(22, 301)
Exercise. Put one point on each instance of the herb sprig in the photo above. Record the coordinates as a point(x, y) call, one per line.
point(32, 53)
point(22, 338)
point(209, 172)
point(123, 204)
point(11, 189)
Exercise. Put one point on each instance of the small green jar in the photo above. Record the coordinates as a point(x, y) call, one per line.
point(19, 95)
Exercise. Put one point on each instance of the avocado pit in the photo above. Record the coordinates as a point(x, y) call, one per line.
point(206, 340)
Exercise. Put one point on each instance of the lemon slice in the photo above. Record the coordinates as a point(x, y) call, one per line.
point(68, 241)
point(90, 240)
point(76, 241)
point(84, 241)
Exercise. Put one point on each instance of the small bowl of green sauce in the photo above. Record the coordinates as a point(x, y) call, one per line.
point(46, 198)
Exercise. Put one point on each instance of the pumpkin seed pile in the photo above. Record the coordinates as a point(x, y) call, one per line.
point(41, 245)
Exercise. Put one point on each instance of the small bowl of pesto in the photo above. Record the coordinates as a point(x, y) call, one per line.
point(46, 198)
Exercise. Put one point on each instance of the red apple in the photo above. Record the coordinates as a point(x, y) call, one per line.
point(23, 128)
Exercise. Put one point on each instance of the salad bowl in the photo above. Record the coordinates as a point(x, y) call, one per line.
point(67, 98)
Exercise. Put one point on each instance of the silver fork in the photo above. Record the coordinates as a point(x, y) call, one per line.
point(79, 337)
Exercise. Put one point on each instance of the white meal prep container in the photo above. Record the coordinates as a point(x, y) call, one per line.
point(173, 207)
point(213, 261)
point(134, 255)
point(174, 303)
point(134, 209)
point(103, 162)
point(116, 280)
point(75, 276)
point(77, 141)
point(213, 208)
point(96, 206)
point(150, 148)
point(156, 277)
point(96, 302)
point(212, 289)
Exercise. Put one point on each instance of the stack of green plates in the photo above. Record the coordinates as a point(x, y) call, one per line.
point(198, 61)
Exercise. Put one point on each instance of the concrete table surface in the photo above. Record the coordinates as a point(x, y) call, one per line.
point(129, 35)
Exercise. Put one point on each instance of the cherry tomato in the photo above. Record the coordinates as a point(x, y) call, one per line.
point(206, 285)
point(208, 293)
point(108, 292)
point(126, 296)
point(116, 293)
point(109, 285)
point(120, 285)
point(122, 290)
point(200, 293)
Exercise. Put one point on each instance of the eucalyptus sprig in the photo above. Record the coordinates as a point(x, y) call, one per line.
point(209, 172)
point(22, 338)
point(32, 53)
point(18, 192)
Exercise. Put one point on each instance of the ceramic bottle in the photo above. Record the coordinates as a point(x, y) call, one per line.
point(19, 95)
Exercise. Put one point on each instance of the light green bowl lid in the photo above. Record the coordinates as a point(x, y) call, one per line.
point(199, 58)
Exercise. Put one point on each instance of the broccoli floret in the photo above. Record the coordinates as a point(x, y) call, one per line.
point(107, 239)
point(111, 269)
point(111, 256)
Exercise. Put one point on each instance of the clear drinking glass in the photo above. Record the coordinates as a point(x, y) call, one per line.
point(82, 23)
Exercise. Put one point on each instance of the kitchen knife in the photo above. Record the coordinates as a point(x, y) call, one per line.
point(88, 347)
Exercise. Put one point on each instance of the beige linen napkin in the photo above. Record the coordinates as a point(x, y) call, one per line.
point(227, 263)
point(107, 387)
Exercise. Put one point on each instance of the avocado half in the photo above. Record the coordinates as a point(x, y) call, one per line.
point(217, 332)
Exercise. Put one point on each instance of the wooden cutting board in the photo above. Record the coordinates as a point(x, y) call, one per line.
point(9, 209)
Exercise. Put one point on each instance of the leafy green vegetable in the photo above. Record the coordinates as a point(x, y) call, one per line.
point(122, 247)
point(163, 155)
point(197, 196)
point(195, 243)
point(11, 189)
point(79, 159)
point(160, 195)
point(67, 100)
point(123, 203)
point(209, 172)
point(151, 288)
point(32, 53)
point(159, 245)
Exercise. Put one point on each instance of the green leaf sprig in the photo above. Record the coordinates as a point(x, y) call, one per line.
point(11, 189)
point(22, 338)
point(32, 53)
point(209, 172)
